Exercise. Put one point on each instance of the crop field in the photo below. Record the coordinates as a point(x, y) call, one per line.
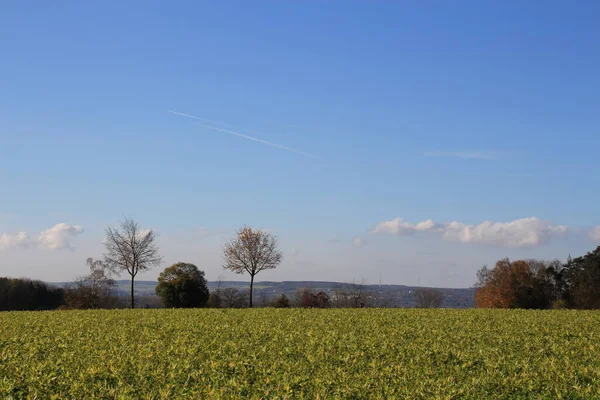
point(300, 354)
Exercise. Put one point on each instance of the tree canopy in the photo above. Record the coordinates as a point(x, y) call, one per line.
point(25, 294)
point(182, 285)
point(541, 284)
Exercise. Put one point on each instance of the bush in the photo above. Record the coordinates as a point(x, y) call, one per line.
point(282, 302)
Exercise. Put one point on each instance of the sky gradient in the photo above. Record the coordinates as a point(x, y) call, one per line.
point(416, 141)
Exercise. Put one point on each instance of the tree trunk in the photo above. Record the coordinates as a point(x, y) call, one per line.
point(132, 298)
point(251, 284)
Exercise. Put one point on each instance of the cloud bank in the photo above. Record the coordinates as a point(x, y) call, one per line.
point(56, 238)
point(524, 232)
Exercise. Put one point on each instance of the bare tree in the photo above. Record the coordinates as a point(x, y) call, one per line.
point(357, 294)
point(100, 283)
point(264, 298)
point(215, 298)
point(131, 249)
point(428, 298)
point(385, 299)
point(340, 298)
point(251, 251)
point(233, 298)
point(93, 290)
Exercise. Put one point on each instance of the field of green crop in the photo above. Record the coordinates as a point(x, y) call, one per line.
point(299, 354)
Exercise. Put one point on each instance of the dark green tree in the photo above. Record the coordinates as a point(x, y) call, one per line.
point(583, 280)
point(182, 285)
point(25, 294)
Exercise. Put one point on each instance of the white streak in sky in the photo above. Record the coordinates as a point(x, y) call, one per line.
point(278, 146)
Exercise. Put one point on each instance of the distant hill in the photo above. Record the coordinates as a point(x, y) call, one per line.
point(400, 295)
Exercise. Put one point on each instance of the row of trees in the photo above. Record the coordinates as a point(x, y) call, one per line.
point(541, 284)
point(131, 250)
point(25, 294)
point(183, 285)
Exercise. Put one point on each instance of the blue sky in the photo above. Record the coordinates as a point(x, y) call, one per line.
point(460, 112)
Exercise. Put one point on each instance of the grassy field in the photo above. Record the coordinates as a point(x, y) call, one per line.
point(300, 354)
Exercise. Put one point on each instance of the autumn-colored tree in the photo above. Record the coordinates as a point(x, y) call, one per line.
point(517, 284)
point(307, 298)
point(497, 288)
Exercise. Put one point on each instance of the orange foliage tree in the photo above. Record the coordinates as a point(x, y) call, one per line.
point(510, 285)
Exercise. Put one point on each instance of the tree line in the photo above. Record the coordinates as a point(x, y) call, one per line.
point(541, 284)
point(131, 250)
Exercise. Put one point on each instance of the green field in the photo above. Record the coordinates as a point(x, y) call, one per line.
point(299, 354)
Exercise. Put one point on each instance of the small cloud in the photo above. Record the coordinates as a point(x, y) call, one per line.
point(475, 155)
point(59, 236)
point(294, 253)
point(20, 239)
point(56, 238)
point(358, 241)
point(399, 227)
point(594, 234)
point(333, 241)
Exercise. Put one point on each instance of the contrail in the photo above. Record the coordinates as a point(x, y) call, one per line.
point(278, 146)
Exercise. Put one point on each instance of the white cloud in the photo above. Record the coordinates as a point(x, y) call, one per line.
point(358, 241)
point(401, 228)
point(59, 236)
point(14, 241)
point(524, 232)
point(594, 233)
point(56, 238)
